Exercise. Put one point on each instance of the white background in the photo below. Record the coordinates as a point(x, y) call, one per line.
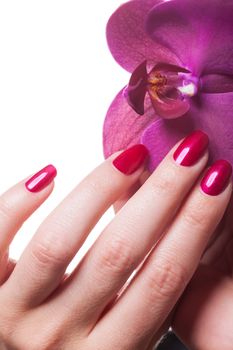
point(57, 79)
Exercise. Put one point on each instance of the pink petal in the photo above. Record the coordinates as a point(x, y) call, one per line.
point(128, 40)
point(123, 126)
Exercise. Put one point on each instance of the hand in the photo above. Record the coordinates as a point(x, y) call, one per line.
point(204, 317)
point(161, 232)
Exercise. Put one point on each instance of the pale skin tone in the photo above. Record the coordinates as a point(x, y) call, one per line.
point(94, 308)
point(207, 305)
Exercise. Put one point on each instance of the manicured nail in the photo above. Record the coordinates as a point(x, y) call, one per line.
point(217, 178)
point(191, 149)
point(131, 159)
point(41, 179)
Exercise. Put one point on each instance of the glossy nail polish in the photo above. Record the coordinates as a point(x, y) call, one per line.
point(216, 178)
point(41, 179)
point(131, 159)
point(191, 149)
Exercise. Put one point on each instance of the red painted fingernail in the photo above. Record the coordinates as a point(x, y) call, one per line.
point(191, 149)
point(41, 179)
point(217, 178)
point(131, 159)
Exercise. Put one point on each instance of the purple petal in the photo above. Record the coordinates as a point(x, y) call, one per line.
point(198, 32)
point(167, 67)
point(210, 113)
point(135, 92)
point(123, 126)
point(128, 40)
point(216, 83)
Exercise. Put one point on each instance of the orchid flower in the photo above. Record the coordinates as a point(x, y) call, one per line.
point(180, 56)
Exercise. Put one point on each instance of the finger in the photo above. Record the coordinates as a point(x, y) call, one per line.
point(125, 197)
point(9, 268)
point(18, 203)
point(131, 234)
point(172, 263)
point(43, 263)
point(158, 335)
point(220, 241)
point(217, 245)
point(206, 302)
point(3, 266)
point(131, 191)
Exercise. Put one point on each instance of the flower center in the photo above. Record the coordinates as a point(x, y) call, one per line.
point(170, 88)
point(157, 80)
point(166, 83)
point(189, 88)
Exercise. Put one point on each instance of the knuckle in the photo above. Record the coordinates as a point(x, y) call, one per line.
point(22, 342)
point(13, 330)
point(44, 253)
point(163, 184)
point(6, 210)
point(5, 330)
point(165, 280)
point(8, 322)
point(194, 216)
point(42, 344)
point(49, 338)
point(97, 185)
point(117, 256)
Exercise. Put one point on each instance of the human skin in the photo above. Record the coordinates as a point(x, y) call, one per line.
point(162, 227)
point(208, 322)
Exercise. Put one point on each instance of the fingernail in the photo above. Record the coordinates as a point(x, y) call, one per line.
point(191, 149)
point(41, 179)
point(131, 159)
point(217, 178)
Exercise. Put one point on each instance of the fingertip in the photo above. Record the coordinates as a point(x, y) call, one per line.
point(52, 169)
point(41, 179)
point(217, 178)
point(131, 159)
